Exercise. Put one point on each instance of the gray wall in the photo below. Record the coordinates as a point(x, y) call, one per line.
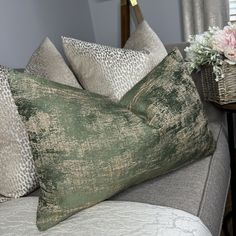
point(106, 21)
point(164, 17)
point(24, 24)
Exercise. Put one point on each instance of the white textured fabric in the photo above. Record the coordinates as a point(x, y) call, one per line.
point(17, 171)
point(113, 71)
point(46, 62)
point(109, 218)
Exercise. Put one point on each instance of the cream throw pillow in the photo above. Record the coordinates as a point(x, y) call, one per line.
point(47, 62)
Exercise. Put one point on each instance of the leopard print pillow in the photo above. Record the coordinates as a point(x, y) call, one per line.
point(113, 71)
point(106, 70)
point(17, 170)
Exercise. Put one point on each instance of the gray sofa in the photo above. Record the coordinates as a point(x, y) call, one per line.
point(200, 188)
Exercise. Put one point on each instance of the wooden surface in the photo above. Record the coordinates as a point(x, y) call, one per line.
point(138, 14)
point(125, 21)
point(231, 106)
point(227, 107)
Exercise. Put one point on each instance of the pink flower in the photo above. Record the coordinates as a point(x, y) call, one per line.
point(230, 35)
point(225, 41)
point(230, 53)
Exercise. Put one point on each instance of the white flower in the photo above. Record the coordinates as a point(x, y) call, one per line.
point(213, 47)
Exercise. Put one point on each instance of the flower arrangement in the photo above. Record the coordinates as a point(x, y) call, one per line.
point(213, 47)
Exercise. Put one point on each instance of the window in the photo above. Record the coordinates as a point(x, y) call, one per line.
point(232, 10)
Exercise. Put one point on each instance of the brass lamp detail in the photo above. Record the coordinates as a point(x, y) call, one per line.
point(137, 11)
point(133, 3)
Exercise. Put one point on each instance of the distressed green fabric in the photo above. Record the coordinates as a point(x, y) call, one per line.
point(167, 100)
point(87, 148)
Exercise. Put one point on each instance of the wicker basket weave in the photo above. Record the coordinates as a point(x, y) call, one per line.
point(223, 91)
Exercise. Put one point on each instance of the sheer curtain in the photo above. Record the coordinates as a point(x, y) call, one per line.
point(198, 15)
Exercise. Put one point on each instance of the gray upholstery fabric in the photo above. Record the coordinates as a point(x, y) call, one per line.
point(198, 15)
point(180, 46)
point(200, 188)
point(46, 62)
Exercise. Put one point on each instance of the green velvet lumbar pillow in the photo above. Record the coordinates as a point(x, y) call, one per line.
point(87, 148)
point(167, 100)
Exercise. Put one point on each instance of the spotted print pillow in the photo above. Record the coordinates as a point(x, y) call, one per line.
point(113, 71)
point(17, 171)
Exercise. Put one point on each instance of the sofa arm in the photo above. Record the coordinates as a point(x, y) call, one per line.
point(181, 47)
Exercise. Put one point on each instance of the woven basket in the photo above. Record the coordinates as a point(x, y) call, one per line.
point(223, 91)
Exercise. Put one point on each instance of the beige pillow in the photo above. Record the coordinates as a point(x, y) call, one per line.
point(113, 71)
point(144, 38)
point(47, 62)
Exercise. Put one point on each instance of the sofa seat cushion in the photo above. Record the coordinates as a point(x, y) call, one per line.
point(200, 188)
point(108, 218)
